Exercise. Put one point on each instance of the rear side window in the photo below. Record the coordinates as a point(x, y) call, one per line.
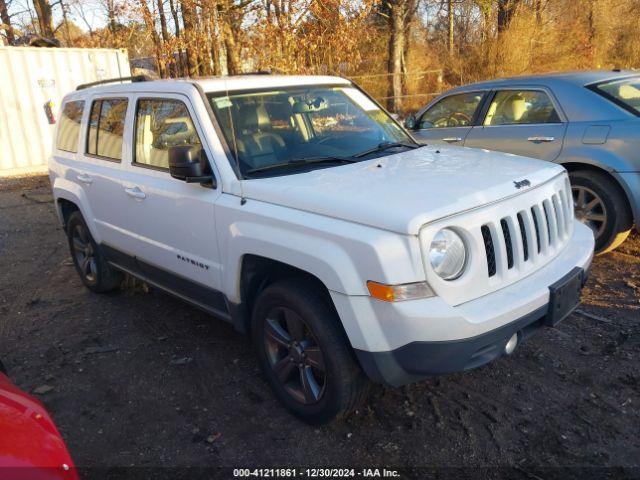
point(160, 125)
point(517, 107)
point(624, 92)
point(106, 128)
point(69, 126)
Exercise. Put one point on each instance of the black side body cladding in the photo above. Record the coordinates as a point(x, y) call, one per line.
point(210, 300)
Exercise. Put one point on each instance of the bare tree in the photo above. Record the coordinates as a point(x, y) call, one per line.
point(5, 19)
point(399, 14)
point(157, 42)
point(506, 9)
point(45, 18)
point(451, 24)
point(189, 20)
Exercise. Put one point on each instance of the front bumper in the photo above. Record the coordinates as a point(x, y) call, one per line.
point(417, 360)
point(404, 342)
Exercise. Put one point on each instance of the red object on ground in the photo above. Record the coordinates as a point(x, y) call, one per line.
point(30, 445)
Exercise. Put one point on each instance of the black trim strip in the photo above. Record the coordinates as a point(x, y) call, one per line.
point(208, 299)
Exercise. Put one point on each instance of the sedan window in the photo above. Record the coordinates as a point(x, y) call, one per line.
point(516, 107)
point(452, 111)
point(625, 92)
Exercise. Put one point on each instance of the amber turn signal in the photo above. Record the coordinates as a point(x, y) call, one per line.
point(397, 293)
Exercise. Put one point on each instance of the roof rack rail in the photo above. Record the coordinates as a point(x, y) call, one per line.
point(133, 79)
point(257, 72)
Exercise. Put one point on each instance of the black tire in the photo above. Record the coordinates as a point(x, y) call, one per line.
point(93, 269)
point(611, 204)
point(341, 384)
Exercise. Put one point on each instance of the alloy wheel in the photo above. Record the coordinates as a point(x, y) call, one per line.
point(589, 209)
point(294, 355)
point(84, 253)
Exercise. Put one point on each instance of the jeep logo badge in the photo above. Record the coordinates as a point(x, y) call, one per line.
point(522, 183)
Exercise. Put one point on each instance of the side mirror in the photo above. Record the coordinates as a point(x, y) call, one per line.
point(189, 164)
point(410, 122)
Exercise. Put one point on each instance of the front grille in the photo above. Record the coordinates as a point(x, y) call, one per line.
point(528, 234)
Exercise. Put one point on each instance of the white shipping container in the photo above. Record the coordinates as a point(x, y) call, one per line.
point(32, 77)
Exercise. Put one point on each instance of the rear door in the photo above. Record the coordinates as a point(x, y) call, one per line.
point(450, 119)
point(101, 172)
point(523, 121)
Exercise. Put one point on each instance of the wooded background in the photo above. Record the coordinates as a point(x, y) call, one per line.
point(401, 51)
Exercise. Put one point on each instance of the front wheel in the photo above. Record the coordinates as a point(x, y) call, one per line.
point(304, 353)
point(600, 204)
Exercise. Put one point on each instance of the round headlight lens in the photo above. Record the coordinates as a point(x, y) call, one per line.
point(447, 254)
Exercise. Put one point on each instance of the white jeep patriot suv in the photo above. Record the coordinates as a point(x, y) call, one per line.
point(297, 209)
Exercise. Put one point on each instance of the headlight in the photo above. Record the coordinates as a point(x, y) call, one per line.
point(447, 254)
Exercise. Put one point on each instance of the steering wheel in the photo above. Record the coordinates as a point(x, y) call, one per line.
point(455, 119)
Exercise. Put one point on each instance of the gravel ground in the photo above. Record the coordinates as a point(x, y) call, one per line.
point(141, 379)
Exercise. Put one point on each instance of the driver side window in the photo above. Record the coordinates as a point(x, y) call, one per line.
point(453, 111)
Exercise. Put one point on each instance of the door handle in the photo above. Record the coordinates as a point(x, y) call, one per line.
point(541, 139)
point(86, 179)
point(452, 139)
point(135, 192)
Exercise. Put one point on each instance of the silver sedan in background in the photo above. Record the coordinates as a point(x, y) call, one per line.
point(587, 121)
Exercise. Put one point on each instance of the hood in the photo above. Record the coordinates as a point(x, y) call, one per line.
point(404, 191)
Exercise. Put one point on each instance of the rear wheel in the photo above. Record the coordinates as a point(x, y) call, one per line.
point(304, 353)
point(600, 204)
point(88, 259)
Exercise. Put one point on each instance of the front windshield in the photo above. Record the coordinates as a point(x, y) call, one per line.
point(297, 125)
point(625, 92)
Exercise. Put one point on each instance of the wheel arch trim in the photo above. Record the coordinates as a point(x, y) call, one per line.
point(66, 190)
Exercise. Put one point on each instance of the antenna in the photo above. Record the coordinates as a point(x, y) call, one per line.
point(243, 200)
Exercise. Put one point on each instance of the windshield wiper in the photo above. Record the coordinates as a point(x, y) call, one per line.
point(385, 146)
point(300, 162)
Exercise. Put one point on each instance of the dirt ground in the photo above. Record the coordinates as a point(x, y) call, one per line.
point(124, 395)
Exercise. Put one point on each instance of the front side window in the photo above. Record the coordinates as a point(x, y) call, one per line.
point(454, 111)
point(69, 126)
point(517, 107)
point(625, 92)
point(297, 125)
point(160, 125)
point(106, 128)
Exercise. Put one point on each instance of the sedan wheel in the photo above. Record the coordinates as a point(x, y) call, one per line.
point(601, 204)
point(589, 209)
